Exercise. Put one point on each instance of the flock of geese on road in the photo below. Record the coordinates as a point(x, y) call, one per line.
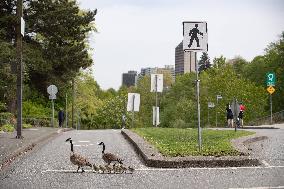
point(108, 158)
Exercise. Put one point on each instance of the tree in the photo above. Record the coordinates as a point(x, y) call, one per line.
point(219, 62)
point(271, 61)
point(204, 62)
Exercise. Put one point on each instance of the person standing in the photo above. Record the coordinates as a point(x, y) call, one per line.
point(241, 114)
point(60, 117)
point(230, 116)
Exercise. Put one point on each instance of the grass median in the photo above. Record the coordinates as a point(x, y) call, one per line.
point(175, 142)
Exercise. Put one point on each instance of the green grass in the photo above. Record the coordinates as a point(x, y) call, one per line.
point(175, 142)
point(7, 128)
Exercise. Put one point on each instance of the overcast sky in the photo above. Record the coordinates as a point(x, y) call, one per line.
point(144, 33)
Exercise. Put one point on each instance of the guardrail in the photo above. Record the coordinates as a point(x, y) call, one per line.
point(277, 117)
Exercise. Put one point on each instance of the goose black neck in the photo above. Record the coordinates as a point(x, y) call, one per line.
point(71, 146)
point(103, 148)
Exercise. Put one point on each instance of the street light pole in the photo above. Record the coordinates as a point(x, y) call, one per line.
point(19, 47)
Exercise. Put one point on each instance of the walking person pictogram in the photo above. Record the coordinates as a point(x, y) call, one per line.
point(193, 33)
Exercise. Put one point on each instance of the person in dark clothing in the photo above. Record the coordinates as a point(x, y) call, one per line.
point(230, 115)
point(60, 117)
point(193, 33)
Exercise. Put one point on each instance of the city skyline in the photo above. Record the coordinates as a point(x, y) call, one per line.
point(132, 35)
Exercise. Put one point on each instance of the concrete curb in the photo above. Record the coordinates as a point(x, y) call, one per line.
point(258, 127)
point(153, 158)
point(24, 149)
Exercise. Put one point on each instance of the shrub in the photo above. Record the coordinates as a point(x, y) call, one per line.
point(37, 122)
point(27, 126)
point(7, 118)
point(179, 124)
point(2, 107)
point(7, 128)
point(35, 110)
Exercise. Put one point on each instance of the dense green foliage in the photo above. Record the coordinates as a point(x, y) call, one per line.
point(204, 62)
point(56, 51)
point(182, 142)
point(54, 47)
point(7, 128)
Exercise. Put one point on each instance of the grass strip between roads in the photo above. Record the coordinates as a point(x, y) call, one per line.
point(175, 142)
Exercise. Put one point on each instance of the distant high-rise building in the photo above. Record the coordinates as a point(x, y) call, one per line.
point(184, 61)
point(129, 79)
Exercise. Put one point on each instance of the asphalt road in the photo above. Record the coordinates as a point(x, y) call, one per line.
point(49, 166)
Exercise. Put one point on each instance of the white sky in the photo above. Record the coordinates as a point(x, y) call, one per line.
point(144, 33)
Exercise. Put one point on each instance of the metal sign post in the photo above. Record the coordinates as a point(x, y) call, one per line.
point(270, 82)
point(133, 100)
point(52, 90)
point(66, 116)
point(133, 104)
point(217, 100)
point(198, 104)
point(156, 83)
point(52, 119)
point(210, 105)
point(196, 40)
point(156, 86)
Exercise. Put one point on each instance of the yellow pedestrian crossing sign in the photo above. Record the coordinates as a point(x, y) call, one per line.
point(270, 89)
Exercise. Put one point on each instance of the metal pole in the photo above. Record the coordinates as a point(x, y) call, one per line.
point(52, 102)
point(216, 111)
point(198, 105)
point(208, 114)
point(235, 113)
point(19, 68)
point(66, 116)
point(156, 86)
point(73, 96)
point(271, 121)
point(133, 99)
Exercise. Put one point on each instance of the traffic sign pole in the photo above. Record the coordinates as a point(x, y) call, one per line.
point(270, 109)
point(52, 120)
point(156, 83)
point(133, 100)
point(198, 104)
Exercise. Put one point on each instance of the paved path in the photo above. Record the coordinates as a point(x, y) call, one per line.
point(49, 167)
point(9, 144)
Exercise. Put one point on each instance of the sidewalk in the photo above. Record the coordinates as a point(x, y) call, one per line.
point(11, 148)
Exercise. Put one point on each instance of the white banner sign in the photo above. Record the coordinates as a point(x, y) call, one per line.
point(156, 115)
point(211, 105)
point(22, 26)
point(156, 82)
point(195, 36)
point(52, 97)
point(133, 102)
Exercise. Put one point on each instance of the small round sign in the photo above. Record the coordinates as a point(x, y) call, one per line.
point(52, 89)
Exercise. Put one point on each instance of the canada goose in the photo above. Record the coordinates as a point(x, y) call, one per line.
point(96, 168)
point(131, 169)
point(77, 159)
point(109, 157)
point(102, 168)
point(116, 169)
point(123, 169)
point(108, 168)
